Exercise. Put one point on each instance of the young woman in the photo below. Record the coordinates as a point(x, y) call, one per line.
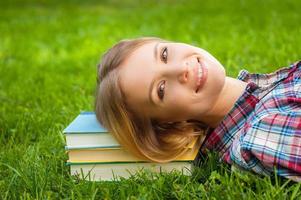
point(156, 95)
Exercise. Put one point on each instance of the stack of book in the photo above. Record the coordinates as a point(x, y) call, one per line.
point(95, 155)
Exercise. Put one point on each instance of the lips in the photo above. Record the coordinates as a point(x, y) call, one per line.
point(201, 75)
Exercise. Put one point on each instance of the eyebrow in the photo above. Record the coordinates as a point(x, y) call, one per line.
point(153, 81)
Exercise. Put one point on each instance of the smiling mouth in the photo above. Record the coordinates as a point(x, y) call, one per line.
point(200, 74)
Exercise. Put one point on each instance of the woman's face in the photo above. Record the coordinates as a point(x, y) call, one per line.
point(160, 81)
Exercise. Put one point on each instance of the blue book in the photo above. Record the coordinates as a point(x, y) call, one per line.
point(85, 132)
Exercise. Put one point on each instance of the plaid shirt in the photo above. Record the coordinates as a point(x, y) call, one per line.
point(262, 132)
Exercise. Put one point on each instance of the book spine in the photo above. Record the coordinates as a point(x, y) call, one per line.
point(68, 163)
point(92, 147)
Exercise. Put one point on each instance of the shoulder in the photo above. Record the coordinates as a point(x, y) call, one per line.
point(274, 129)
point(271, 140)
point(275, 138)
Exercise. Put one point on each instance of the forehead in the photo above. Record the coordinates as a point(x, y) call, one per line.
point(144, 51)
point(135, 76)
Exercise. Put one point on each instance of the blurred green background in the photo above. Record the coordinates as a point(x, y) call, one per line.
point(48, 56)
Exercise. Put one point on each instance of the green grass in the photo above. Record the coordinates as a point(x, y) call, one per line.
point(48, 57)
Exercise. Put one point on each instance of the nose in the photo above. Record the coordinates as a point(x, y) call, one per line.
point(183, 73)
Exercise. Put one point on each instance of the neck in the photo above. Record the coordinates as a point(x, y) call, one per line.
point(232, 90)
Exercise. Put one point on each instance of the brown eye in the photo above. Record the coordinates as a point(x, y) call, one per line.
point(164, 55)
point(161, 90)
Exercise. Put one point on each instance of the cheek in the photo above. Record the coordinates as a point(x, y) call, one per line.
point(178, 101)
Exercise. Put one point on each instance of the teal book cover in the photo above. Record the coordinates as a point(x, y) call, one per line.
point(85, 122)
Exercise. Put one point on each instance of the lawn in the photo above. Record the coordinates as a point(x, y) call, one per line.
point(48, 56)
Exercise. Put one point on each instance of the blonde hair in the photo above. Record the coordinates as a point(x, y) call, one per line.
point(145, 138)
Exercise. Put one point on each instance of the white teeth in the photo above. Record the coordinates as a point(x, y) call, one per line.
point(200, 73)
